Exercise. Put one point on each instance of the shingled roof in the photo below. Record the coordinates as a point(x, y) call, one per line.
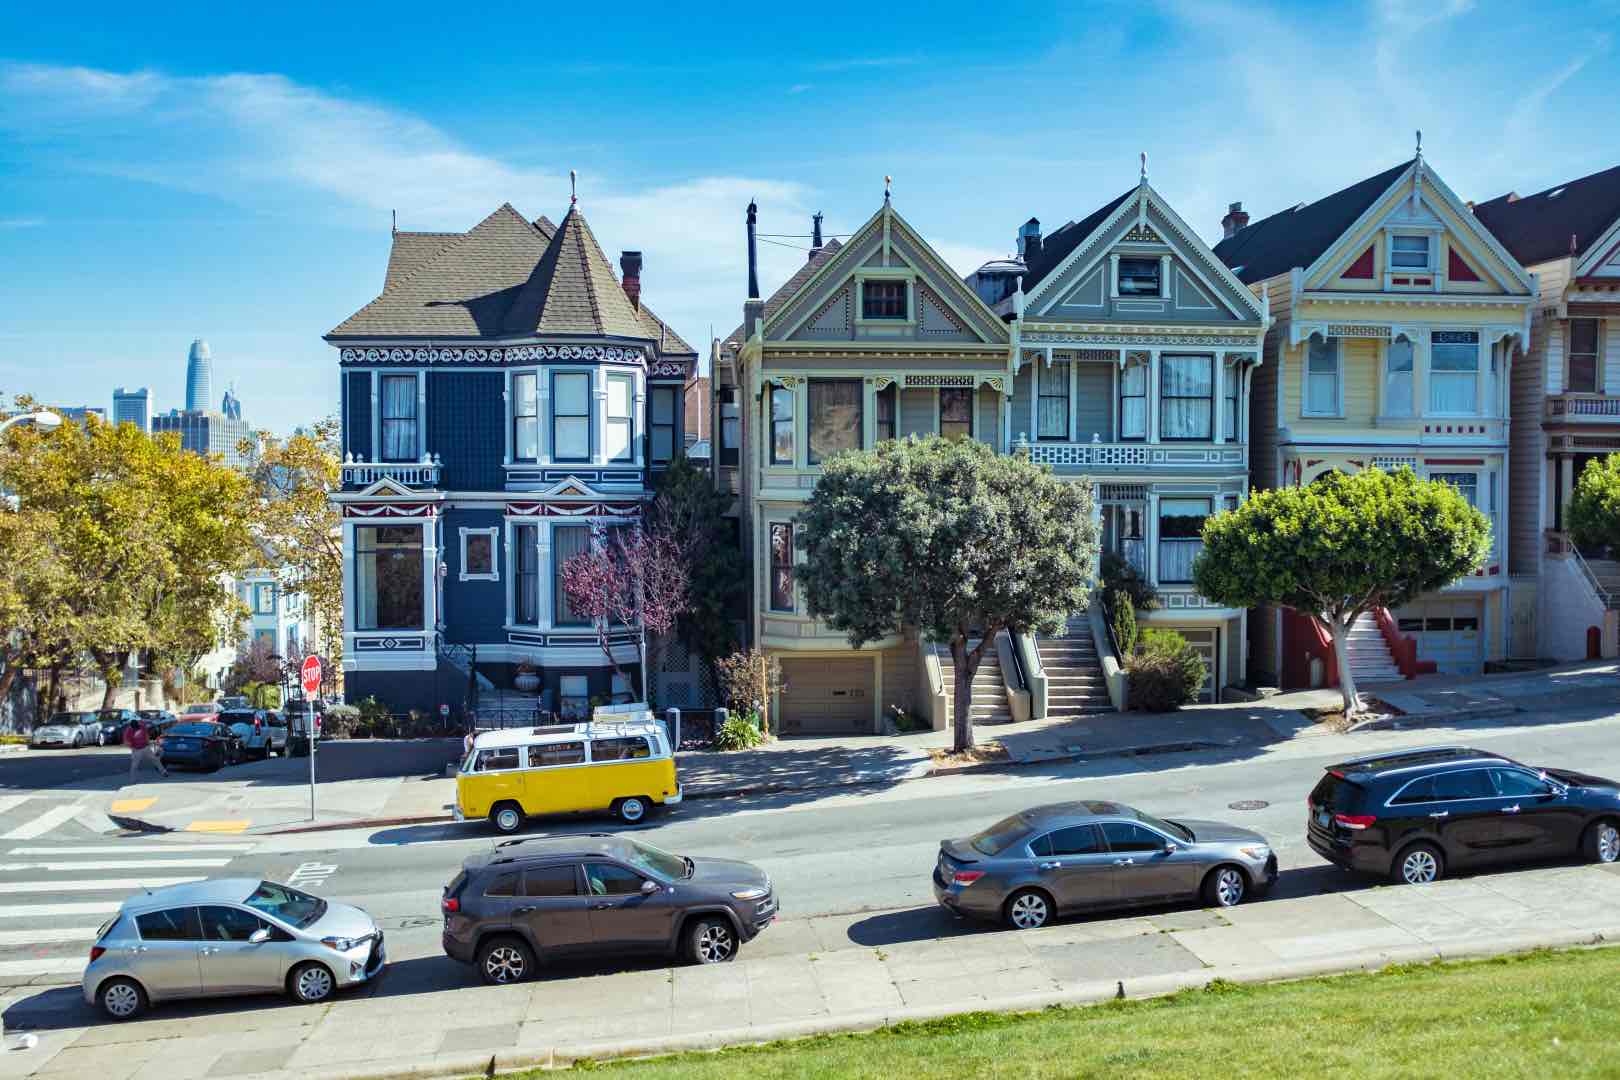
point(1539, 227)
point(792, 285)
point(1298, 236)
point(1059, 246)
point(506, 277)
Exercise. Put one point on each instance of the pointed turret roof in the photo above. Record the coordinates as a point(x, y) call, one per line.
point(572, 290)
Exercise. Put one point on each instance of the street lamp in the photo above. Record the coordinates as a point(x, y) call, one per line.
point(43, 419)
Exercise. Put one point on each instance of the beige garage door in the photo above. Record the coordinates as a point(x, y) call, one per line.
point(826, 695)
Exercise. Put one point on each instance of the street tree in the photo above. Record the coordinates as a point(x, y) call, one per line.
point(951, 538)
point(628, 579)
point(1340, 547)
point(692, 511)
point(1594, 507)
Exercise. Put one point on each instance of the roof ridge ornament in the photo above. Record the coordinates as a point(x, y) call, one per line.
point(1143, 156)
point(573, 188)
point(887, 181)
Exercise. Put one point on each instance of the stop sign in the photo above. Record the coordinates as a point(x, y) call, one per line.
point(311, 674)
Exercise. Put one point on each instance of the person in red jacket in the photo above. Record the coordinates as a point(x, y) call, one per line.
point(140, 750)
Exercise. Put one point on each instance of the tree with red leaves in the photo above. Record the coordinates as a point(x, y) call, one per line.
point(629, 578)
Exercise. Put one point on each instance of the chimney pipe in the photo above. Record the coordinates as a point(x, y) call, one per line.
point(1029, 239)
point(815, 234)
point(1236, 218)
point(753, 251)
point(630, 265)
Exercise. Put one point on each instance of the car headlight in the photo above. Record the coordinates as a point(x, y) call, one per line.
point(1260, 852)
point(754, 893)
point(343, 944)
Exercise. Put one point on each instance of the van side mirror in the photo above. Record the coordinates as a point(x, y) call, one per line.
point(259, 936)
point(649, 887)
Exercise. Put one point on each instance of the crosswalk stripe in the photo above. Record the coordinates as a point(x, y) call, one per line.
point(48, 935)
point(57, 911)
point(11, 802)
point(43, 824)
point(129, 849)
point(102, 885)
point(60, 966)
point(109, 864)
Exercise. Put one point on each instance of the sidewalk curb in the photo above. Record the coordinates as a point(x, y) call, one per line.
point(13, 748)
point(1136, 750)
point(1418, 720)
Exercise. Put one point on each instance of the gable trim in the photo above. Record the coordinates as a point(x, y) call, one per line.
point(1599, 253)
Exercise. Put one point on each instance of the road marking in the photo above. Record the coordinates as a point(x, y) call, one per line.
point(130, 849)
point(42, 967)
point(52, 911)
point(11, 802)
point(311, 875)
point(130, 806)
point(110, 864)
point(103, 885)
point(43, 824)
point(218, 826)
point(48, 936)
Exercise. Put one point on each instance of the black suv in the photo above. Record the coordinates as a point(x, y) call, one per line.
point(1414, 815)
point(538, 897)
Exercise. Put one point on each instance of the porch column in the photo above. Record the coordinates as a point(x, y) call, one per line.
point(543, 574)
point(1153, 396)
point(1035, 395)
point(350, 622)
point(430, 575)
point(1566, 488)
point(1150, 530)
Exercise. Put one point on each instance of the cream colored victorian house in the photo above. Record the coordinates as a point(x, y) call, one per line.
point(875, 338)
point(1398, 316)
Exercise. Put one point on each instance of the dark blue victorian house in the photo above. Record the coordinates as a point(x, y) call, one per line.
point(502, 398)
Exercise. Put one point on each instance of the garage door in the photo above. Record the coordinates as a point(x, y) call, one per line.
point(1205, 643)
point(1448, 632)
point(826, 695)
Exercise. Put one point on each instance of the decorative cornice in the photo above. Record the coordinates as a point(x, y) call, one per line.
point(1416, 299)
point(667, 369)
point(507, 354)
point(1138, 335)
point(573, 509)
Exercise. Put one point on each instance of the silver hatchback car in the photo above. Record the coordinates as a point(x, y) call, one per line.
point(229, 936)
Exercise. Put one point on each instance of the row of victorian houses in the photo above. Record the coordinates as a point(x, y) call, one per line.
point(507, 394)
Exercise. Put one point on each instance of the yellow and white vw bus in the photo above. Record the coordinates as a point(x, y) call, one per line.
point(623, 767)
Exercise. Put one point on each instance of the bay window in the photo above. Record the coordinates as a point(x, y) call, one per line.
point(399, 418)
point(1133, 403)
point(1581, 377)
point(1186, 397)
point(1322, 378)
point(956, 413)
point(388, 577)
point(566, 542)
point(887, 404)
point(1052, 418)
point(781, 566)
point(619, 425)
point(526, 572)
point(661, 429)
point(1454, 372)
point(781, 426)
point(1181, 526)
point(525, 417)
point(570, 416)
point(835, 417)
point(1398, 378)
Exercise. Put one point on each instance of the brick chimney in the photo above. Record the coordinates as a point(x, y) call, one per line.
point(630, 267)
point(1235, 219)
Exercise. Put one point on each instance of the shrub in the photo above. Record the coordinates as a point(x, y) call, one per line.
point(749, 679)
point(739, 732)
point(375, 721)
point(1118, 575)
point(1165, 673)
point(1122, 621)
point(340, 721)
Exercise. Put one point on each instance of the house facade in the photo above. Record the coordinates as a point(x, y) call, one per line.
point(505, 399)
point(1566, 409)
point(873, 338)
point(1134, 349)
point(1397, 317)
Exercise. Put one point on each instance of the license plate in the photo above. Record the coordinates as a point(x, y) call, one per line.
point(184, 744)
point(1323, 818)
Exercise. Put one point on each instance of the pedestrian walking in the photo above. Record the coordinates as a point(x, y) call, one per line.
point(140, 750)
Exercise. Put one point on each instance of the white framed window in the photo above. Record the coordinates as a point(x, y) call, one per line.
point(781, 445)
point(525, 417)
point(661, 423)
point(1052, 415)
point(389, 582)
point(1581, 373)
point(1454, 372)
point(1133, 401)
point(1140, 277)
point(1466, 483)
point(399, 418)
point(1410, 251)
point(479, 560)
point(956, 412)
point(1323, 378)
point(574, 696)
point(620, 424)
point(570, 416)
point(264, 599)
point(1231, 379)
point(781, 566)
point(886, 300)
point(1186, 397)
point(526, 574)
point(566, 542)
point(1398, 364)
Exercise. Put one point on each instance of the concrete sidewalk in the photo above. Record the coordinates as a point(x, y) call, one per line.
point(427, 1016)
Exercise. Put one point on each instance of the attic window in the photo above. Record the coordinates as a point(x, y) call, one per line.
point(883, 300)
point(1139, 277)
point(1409, 253)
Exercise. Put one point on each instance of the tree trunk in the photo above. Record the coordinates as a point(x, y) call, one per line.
point(604, 631)
point(964, 664)
point(55, 688)
point(111, 667)
point(1339, 627)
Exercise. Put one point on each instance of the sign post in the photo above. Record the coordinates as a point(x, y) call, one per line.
point(310, 673)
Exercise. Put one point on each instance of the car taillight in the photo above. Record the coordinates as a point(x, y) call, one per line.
point(1337, 773)
point(1355, 821)
point(96, 952)
point(966, 877)
point(450, 904)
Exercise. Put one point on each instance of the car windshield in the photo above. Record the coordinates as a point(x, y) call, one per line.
point(289, 905)
point(657, 860)
point(1000, 836)
point(192, 729)
point(203, 707)
point(72, 717)
point(1169, 828)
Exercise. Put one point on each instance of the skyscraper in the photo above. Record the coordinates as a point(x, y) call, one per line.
point(133, 407)
point(199, 377)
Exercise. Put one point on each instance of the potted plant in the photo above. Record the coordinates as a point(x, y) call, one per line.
point(527, 676)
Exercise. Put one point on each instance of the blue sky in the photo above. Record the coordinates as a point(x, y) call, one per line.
point(182, 170)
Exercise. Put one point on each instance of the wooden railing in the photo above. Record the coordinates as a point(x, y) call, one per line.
point(415, 474)
point(1579, 405)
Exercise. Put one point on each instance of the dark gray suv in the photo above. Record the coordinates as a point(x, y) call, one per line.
point(534, 898)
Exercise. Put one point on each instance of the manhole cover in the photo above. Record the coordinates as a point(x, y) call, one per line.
point(1248, 804)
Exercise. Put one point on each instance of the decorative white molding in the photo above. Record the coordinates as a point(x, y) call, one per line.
point(510, 354)
point(1080, 338)
point(667, 369)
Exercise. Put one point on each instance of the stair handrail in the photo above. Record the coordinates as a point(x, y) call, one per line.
point(1591, 577)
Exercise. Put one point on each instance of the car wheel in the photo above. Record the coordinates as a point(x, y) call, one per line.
point(1028, 909)
point(1225, 887)
point(78, 740)
point(122, 999)
point(1602, 842)
point(311, 983)
point(712, 941)
point(633, 810)
point(505, 960)
point(1420, 864)
point(507, 817)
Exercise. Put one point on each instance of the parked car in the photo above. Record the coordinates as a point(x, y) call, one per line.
point(262, 732)
point(1083, 856)
point(531, 899)
point(112, 723)
point(159, 720)
point(73, 729)
point(205, 745)
point(229, 936)
point(200, 710)
point(234, 701)
point(1417, 815)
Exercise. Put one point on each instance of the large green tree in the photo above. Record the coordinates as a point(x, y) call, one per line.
point(1342, 546)
point(1594, 507)
point(691, 510)
point(951, 538)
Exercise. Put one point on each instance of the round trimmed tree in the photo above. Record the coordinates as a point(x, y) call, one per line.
point(1342, 546)
point(1594, 506)
point(948, 537)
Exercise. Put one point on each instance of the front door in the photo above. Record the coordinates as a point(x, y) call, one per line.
point(1075, 867)
point(232, 964)
point(554, 909)
point(622, 915)
point(165, 962)
point(1145, 874)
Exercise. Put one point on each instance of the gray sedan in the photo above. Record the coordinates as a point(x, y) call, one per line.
point(229, 936)
point(1081, 856)
point(73, 729)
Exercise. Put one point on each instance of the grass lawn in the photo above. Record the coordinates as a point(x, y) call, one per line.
point(1544, 1014)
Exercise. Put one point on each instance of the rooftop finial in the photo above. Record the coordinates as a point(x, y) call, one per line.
point(573, 188)
point(887, 180)
point(1144, 166)
point(395, 214)
point(1420, 143)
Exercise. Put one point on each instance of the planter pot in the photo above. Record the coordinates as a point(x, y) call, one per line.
point(527, 684)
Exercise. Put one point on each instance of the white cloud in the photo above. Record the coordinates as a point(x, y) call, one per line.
point(21, 223)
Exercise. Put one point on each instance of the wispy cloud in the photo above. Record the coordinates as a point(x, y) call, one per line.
point(799, 88)
point(21, 223)
point(855, 63)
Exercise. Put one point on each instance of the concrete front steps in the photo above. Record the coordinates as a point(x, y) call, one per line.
point(1074, 678)
point(1369, 653)
point(989, 700)
point(1607, 572)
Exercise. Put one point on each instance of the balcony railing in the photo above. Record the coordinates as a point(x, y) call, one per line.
point(414, 474)
point(1596, 407)
point(1117, 455)
point(1176, 560)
